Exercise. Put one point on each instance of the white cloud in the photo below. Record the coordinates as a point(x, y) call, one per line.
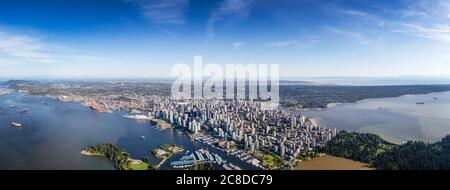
point(163, 11)
point(312, 38)
point(234, 9)
point(282, 43)
point(305, 40)
point(445, 7)
point(412, 13)
point(432, 11)
point(356, 13)
point(237, 45)
point(356, 35)
point(165, 30)
point(19, 48)
point(437, 32)
point(347, 13)
point(24, 48)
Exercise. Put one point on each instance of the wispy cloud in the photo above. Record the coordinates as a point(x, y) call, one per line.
point(165, 30)
point(282, 43)
point(432, 11)
point(340, 12)
point(228, 9)
point(305, 40)
point(408, 13)
point(24, 48)
point(445, 7)
point(237, 45)
point(19, 48)
point(356, 13)
point(312, 38)
point(437, 32)
point(163, 11)
point(356, 35)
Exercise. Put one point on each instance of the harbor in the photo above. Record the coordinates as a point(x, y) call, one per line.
point(52, 136)
point(240, 154)
point(202, 156)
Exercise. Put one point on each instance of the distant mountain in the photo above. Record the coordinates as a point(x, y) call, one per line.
point(293, 82)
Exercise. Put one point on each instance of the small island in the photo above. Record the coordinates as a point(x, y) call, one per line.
point(165, 152)
point(119, 157)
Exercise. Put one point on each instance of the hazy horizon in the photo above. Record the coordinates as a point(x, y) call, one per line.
point(352, 81)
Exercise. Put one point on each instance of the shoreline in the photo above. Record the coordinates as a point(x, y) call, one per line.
point(86, 103)
point(130, 163)
point(161, 124)
point(369, 99)
point(334, 104)
point(177, 128)
point(166, 152)
point(87, 153)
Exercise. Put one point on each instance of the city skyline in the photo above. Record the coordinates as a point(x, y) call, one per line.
point(139, 38)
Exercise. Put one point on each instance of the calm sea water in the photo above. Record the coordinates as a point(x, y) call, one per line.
point(396, 119)
point(54, 133)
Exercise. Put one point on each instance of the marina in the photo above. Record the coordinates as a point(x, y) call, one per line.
point(202, 156)
point(242, 155)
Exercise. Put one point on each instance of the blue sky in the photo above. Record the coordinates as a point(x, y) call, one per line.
point(144, 38)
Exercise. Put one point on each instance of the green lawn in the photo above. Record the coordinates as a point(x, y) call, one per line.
point(140, 166)
point(269, 160)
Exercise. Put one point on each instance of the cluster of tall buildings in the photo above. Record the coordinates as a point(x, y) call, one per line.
point(244, 123)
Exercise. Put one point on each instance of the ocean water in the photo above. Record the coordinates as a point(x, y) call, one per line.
point(53, 133)
point(397, 119)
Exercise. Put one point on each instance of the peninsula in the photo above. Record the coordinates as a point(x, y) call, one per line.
point(119, 157)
